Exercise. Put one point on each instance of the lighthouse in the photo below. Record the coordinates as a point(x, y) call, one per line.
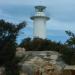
point(39, 22)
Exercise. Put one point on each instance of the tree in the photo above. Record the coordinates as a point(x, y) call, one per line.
point(69, 51)
point(71, 40)
point(8, 35)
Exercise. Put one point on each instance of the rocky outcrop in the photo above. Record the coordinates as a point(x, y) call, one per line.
point(43, 63)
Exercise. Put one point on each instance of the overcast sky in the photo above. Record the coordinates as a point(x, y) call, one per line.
point(61, 13)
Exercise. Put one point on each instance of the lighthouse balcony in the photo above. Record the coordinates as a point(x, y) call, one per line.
point(44, 17)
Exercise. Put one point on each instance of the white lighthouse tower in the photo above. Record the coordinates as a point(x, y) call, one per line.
point(39, 22)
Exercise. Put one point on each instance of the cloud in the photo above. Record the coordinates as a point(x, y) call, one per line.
point(57, 35)
point(61, 12)
point(61, 39)
point(15, 13)
point(58, 25)
point(5, 16)
point(30, 2)
point(18, 2)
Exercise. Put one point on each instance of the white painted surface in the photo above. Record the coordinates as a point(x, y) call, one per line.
point(39, 28)
point(40, 14)
point(39, 22)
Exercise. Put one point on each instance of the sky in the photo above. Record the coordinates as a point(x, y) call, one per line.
point(61, 13)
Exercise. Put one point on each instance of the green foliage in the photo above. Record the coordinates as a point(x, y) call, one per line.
point(40, 44)
point(8, 35)
point(69, 55)
point(71, 40)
